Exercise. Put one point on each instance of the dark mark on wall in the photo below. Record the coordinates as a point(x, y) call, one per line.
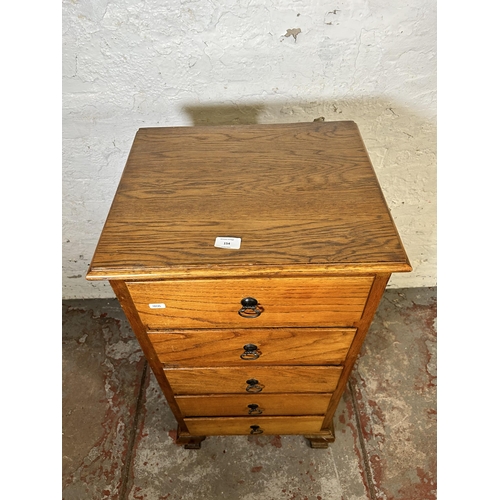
point(293, 32)
point(75, 276)
point(329, 17)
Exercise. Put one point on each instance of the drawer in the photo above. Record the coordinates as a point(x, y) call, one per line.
point(282, 302)
point(248, 425)
point(254, 405)
point(253, 380)
point(301, 346)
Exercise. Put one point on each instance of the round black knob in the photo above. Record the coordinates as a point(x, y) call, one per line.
point(249, 302)
point(256, 429)
point(254, 409)
point(250, 308)
point(251, 352)
point(253, 386)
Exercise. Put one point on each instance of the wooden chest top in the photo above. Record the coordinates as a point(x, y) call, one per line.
point(302, 197)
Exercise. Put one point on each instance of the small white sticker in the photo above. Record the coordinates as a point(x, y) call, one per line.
point(226, 242)
point(157, 306)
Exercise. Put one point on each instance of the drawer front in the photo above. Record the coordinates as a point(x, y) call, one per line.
point(253, 380)
point(256, 426)
point(307, 346)
point(282, 302)
point(253, 405)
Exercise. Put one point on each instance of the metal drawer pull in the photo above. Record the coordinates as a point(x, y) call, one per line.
point(254, 410)
point(253, 386)
point(250, 352)
point(255, 429)
point(250, 308)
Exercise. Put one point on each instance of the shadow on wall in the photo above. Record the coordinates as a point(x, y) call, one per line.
point(223, 114)
point(365, 110)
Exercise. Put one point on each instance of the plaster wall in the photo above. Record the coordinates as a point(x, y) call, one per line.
point(129, 64)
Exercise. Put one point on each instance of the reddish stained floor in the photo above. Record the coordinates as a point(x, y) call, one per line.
point(117, 428)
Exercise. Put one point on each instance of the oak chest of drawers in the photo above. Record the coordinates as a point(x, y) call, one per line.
point(250, 261)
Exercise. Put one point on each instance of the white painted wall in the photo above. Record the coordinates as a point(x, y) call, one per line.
point(129, 64)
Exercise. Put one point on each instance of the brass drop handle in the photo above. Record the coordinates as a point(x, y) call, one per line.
point(255, 429)
point(253, 386)
point(250, 353)
point(250, 308)
point(254, 409)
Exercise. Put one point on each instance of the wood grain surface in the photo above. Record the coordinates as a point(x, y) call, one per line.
point(242, 425)
point(285, 302)
point(154, 363)
point(238, 404)
point(297, 194)
point(277, 346)
point(371, 307)
point(318, 245)
point(272, 379)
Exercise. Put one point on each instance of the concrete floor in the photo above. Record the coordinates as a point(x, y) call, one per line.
point(118, 430)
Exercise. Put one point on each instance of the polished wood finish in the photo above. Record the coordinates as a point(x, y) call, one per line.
point(127, 304)
point(225, 379)
point(264, 425)
point(297, 194)
point(373, 301)
point(234, 405)
point(215, 303)
point(277, 346)
point(318, 245)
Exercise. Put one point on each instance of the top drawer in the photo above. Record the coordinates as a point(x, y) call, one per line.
point(209, 303)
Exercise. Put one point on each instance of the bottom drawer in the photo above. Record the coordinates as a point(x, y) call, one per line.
point(259, 404)
point(254, 425)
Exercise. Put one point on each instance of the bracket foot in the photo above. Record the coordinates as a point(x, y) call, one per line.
point(321, 441)
point(189, 442)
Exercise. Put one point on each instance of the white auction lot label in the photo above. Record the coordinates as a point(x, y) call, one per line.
point(227, 242)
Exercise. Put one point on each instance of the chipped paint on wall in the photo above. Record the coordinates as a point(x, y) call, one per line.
point(292, 32)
